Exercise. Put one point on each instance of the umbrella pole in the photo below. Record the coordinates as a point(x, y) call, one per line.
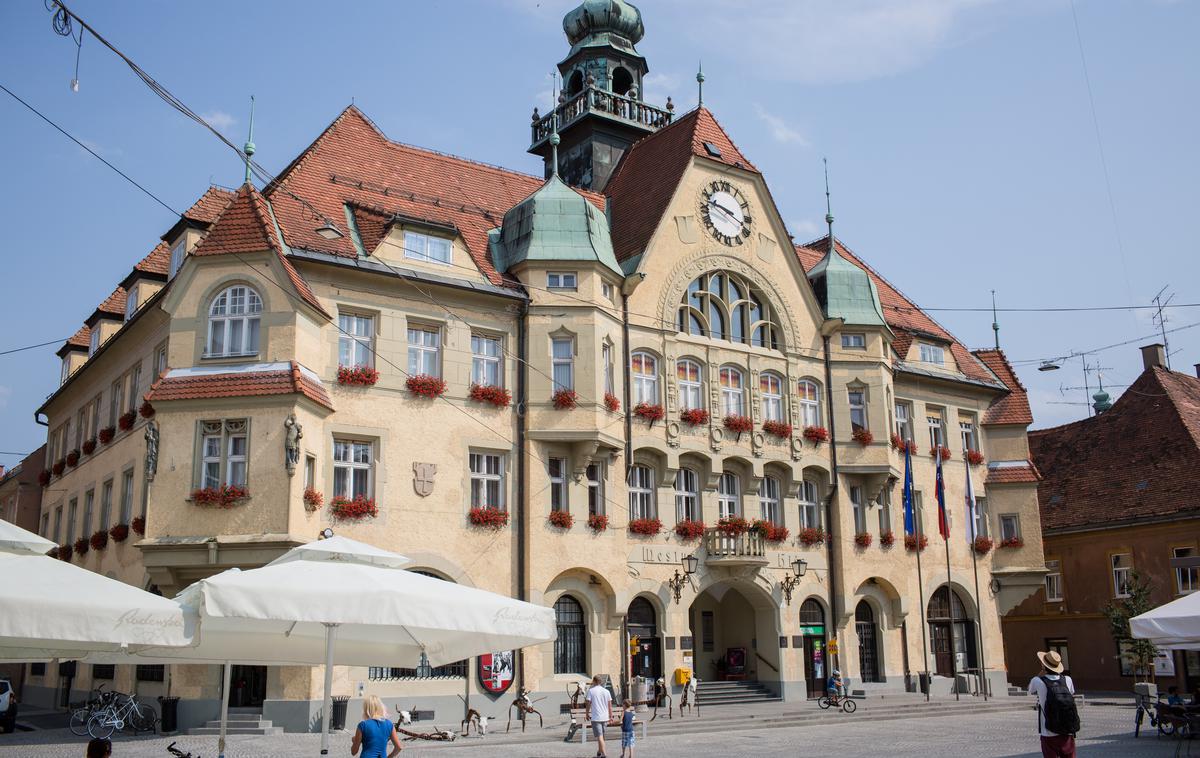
point(327, 703)
point(226, 676)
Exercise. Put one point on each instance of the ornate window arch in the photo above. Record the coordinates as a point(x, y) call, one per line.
point(570, 646)
point(233, 322)
point(726, 306)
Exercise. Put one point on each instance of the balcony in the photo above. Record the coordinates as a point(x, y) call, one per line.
point(618, 108)
point(748, 549)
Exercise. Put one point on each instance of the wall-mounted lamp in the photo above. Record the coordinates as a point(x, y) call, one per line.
point(789, 583)
point(676, 582)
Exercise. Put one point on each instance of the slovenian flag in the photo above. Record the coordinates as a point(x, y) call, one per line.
point(943, 522)
point(910, 525)
point(970, 508)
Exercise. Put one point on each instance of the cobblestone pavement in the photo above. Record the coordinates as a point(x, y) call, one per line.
point(1107, 733)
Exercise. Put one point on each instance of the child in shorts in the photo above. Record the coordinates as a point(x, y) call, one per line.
point(627, 738)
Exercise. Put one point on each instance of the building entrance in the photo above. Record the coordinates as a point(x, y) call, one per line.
point(642, 623)
point(812, 626)
point(951, 633)
point(247, 686)
point(868, 644)
point(735, 632)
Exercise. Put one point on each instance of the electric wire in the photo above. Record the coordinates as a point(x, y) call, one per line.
point(31, 347)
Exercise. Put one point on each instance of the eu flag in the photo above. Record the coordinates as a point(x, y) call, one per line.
point(910, 525)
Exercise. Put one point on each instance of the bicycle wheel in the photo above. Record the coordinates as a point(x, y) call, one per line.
point(79, 721)
point(143, 718)
point(824, 702)
point(849, 706)
point(1137, 721)
point(101, 726)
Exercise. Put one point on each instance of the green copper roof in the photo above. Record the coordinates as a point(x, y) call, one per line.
point(846, 291)
point(594, 17)
point(555, 223)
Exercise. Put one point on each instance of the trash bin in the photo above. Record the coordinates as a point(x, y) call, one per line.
point(641, 692)
point(337, 720)
point(924, 679)
point(170, 715)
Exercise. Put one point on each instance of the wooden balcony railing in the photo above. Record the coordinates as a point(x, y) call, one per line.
point(592, 100)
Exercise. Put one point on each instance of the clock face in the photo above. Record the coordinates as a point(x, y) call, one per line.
point(726, 213)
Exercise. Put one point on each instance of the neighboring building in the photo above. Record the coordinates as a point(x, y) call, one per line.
point(21, 504)
point(677, 293)
point(1118, 495)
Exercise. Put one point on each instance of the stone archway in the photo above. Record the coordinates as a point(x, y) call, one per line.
point(952, 640)
point(735, 628)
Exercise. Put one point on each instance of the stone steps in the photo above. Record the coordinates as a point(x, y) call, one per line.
point(734, 693)
point(239, 721)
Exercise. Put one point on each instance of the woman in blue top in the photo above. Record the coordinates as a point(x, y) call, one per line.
point(375, 731)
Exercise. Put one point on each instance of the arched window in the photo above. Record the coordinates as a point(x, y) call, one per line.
point(868, 654)
point(772, 396)
point(687, 495)
point(570, 646)
point(810, 403)
point(725, 306)
point(622, 80)
point(641, 492)
point(811, 613)
point(575, 83)
point(644, 368)
point(729, 495)
point(768, 500)
point(810, 512)
point(691, 388)
point(733, 396)
point(233, 322)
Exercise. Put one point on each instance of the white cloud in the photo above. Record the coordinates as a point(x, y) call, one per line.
point(658, 86)
point(219, 119)
point(780, 130)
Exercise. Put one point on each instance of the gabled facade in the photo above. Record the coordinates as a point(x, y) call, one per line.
point(539, 390)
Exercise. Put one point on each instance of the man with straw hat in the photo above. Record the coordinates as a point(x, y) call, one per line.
point(1058, 719)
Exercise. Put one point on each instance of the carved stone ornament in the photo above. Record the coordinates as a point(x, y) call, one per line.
point(423, 475)
point(293, 433)
point(151, 450)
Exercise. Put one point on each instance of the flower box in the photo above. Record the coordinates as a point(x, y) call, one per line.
point(313, 499)
point(44, 477)
point(106, 434)
point(863, 539)
point(816, 434)
point(974, 457)
point(89, 446)
point(138, 524)
point(488, 518)
point(910, 542)
point(73, 458)
point(561, 519)
point(689, 529)
point(564, 400)
point(353, 508)
point(649, 411)
point(733, 525)
point(771, 532)
point(99, 540)
point(52, 552)
point(612, 402)
point(597, 522)
point(983, 545)
point(119, 532)
point(811, 535)
point(490, 394)
point(739, 425)
point(887, 539)
point(64, 552)
point(126, 420)
point(863, 437)
point(945, 451)
point(694, 417)
point(424, 385)
point(225, 496)
point(1012, 542)
point(902, 445)
point(81, 546)
point(357, 376)
point(646, 526)
point(59, 466)
point(778, 429)
point(147, 410)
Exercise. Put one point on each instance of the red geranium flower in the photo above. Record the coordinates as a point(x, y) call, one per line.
point(649, 411)
point(313, 499)
point(612, 402)
point(561, 519)
point(564, 399)
point(946, 454)
point(812, 535)
point(738, 424)
point(89, 446)
point(99, 540)
point(119, 532)
point(138, 524)
point(910, 542)
point(863, 539)
point(107, 434)
point(645, 526)
point(353, 508)
point(597, 522)
point(983, 544)
point(974, 457)
point(694, 416)
point(81, 546)
point(816, 434)
point(770, 531)
point(1012, 542)
point(489, 518)
point(887, 539)
point(778, 428)
point(225, 496)
point(73, 458)
point(126, 420)
point(491, 394)
point(424, 385)
point(733, 525)
point(360, 376)
point(689, 529)
point(147, 410)
point(863, 437)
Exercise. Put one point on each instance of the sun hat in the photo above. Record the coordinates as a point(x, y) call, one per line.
point(1052, 661)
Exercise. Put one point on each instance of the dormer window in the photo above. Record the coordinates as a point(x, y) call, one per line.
point(934, 354)
point(94, 340)
point(423, 247)
point(131, 302)
point(177, 254)
point(233, 321)
point(66, 369)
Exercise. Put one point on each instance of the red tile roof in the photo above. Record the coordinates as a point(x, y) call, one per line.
point(1136, 461)
point(1027, 474)
point(175, 385)
point(157, 262)
point(209, 206)
point(246, 226)
point(645, 181)
point(1013, 408)
point(80, 340)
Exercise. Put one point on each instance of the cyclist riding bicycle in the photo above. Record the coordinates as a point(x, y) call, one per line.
point(835, 684)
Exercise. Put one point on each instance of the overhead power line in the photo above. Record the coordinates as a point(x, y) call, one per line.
point(31, 347)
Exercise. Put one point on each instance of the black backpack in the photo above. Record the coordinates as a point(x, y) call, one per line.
point(1060, 714)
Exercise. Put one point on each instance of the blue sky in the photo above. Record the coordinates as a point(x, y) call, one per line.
point(961, 143)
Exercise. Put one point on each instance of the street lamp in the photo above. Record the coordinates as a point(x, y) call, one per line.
point(789, 583)
point(325, 534)
point(1049, 366)
point(676, 582)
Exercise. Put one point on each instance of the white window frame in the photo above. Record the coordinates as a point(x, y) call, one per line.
point(562, 280)
point(160, 360)
point(225, 320)
point(131, 302)
point(135, 379)
point(94, 340)
point(932, 354)
point(486, 366)
point(1010, 526)
point(428, 248)
point(106, 496)
point(769, 500)
point(771, 388)
point(643, 368)
point(729, 495)
point(556, 470)
point(854, 341)
point(1121, 574)
point(560, 363)
point(424, 350)
point(596, 476)
point(89, 507)
point(810, 402)
point(65, 371)
point(126, 497)
point(967, 434)
point(356, 340)
point(606, 363)
point(1053, 581)
point(641, 491)
point(224, 453)
point(810, 509)
point(885, 511)
point(733, 399)
point(937, 428)
point(982, 528)
point(72, 514)
point(348, 459)
point(690, 378)
point(859, 508)
point(1187, 580)
point(687, 495)
point(904, 420)
point(178, 254)
point(856, 398)
point(487, 472)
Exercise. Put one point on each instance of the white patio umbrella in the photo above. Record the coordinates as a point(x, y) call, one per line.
point(342, 602)
point(1173, 626)
point(50, 608)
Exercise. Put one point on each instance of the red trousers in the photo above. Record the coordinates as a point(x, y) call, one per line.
point(1058, 746)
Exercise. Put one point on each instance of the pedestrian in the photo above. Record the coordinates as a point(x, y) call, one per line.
point(627, 738)
point(375, 731)
point(600, 713)
point(1058, 718)
point(99, 748)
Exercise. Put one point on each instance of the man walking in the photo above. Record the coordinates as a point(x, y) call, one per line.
point(600, 712)
point(1058, 719)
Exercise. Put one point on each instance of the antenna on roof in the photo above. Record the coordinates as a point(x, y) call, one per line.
point(700, 84)
point(554, 138)
point(248, 148)
point(995, 321)
point(828, 206)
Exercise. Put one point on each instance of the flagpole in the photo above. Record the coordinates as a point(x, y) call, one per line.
point(912, 525)
point(971, 505)
point(944, 530)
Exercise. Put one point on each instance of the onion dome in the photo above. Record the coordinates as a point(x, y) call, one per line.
point(595, 17)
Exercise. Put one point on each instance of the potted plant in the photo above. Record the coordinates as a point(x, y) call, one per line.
point(902, 445)
point(910, 542)
point(612, 402)
point(64, 552)
point(974, 457)
point(119, 532)
point(597, 522)
point(59, 466)
point(44, 477)
point(73, 458)
point(863, 539)
point(426, 386)
point(106, 434)
point(488, 518)
point(89, 446)
point(490, 394)
point(354, 508)
point(694, 417)
point(816, 434)
point(564, 399)
point(811, 535)
point(887, 539)
point(733, 525)
point(357, 376)
point(689, 529)
point(99, 540)
point(126, 420)
point(138, 524)
point(645, 526)
point(778, 429)
point(982, 545)
point(770, 531)
point(313, 499)
point(739, 425)
point(1012, 542)
point(81, 546)
point(561, 519)
point(945, 451)
point(225, 496)
point(147, 410)
point(649, 411)
point(863, 437)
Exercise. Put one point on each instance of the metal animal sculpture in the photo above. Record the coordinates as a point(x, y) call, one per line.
point(437, 735)
point(474, 719)
point(524, 707)
point(660, 692)
point(579, 695)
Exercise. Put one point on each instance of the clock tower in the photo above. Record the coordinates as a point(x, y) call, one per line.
point(600, 112)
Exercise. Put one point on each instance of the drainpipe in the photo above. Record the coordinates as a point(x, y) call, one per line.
point(625, 392)
point(833, 489)
point(522, 467)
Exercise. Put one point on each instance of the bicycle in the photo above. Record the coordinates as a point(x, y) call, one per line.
point(838, 700)
point(83, 712)
point(179, 753)
point(140, 717)
point(1147, 706)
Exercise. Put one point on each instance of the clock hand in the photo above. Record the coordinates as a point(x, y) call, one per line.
point(728, 212)
point(724, 211)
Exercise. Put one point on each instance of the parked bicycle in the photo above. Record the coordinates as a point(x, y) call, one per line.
point(1146, 706)
point(124, 711)
point(838, 700)
point(82, 712)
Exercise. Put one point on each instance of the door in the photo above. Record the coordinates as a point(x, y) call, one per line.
point(939, 643)
point(868, 650)
point(814, 665)
point(247, 686)
point(647, 659)
point(642, 623)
